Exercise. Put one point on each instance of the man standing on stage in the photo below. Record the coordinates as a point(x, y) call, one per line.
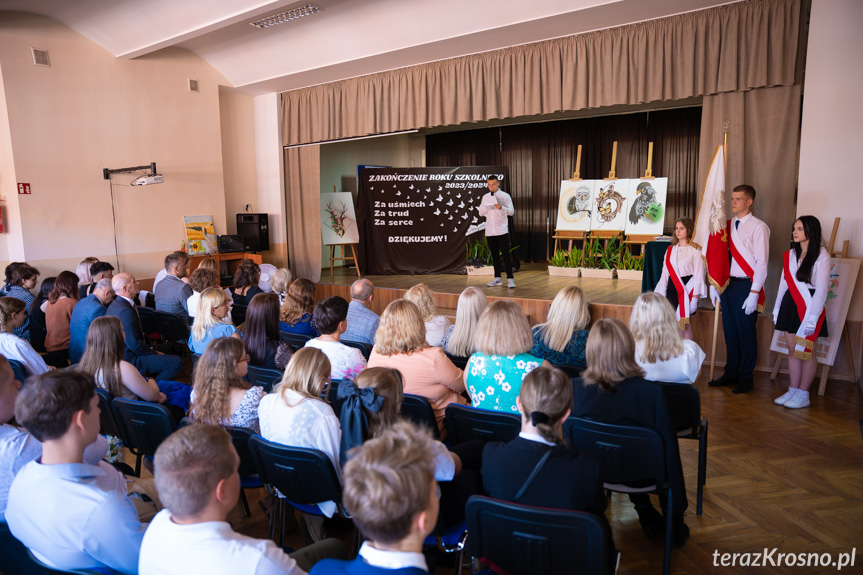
point(496, 206)
point(749, 243)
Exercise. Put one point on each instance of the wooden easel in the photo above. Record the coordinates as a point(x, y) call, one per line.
point(569, 235)
point(344, 257)
point(825, 369)
point(641, 239)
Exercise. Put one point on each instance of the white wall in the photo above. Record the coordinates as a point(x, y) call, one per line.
point(832, 128)
point(270, 175)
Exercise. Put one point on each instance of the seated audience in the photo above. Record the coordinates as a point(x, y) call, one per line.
point(103, 359)
point(85, 311)
point(296, 315)
point(494, 372)
point(65, 511)
point(172, 293)
point(331, 318)
point(13, 347)
point(210, 264)
point(246, 282)
point(280, 282)
point(391, 493)
point(17, 447)
point(196, 473)
point(38, 330)
point(83, 270)
point(261, 334)
point(148, 359)
point(8, 271)
point(436, 325)
point(220, 396)
point(458, 340)
point(561, 339)
point(400, 343)
point(362, 322)
point(98, 272)
point(294, 414)
point(659, 349)
point(613, 390)
point(201, 279)
point(213, 307)
point(24, 278)
point(58, 312)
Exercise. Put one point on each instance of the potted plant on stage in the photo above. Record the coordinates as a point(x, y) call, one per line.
point(565, 263)
point(479, 258)
point(601, 260)
point(629, 267)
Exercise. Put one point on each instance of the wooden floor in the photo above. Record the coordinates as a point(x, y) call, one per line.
point(775, 478)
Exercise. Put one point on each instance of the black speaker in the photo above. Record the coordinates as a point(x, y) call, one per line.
point(255, 231)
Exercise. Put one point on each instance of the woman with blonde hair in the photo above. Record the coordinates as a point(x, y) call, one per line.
point(219, 394)
point(400, 344)
point(682, 279)
point(613, 390)
point(12, 314)
point(209, 324)
point(83, 270)
point(458, 340)
point(280, 282)
point(435, 325)
point(294, 414)
point(659, 349)
point(561, 339)
point(296, 313)
point(494, 372)
point(103, 359)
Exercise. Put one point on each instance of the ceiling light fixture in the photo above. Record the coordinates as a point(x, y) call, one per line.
point(286, 16)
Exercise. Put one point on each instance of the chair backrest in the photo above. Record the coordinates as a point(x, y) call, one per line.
point(18, 370)
point(459, 362)
point(531, 540)
point(149, 323)
point(195, 357)
point(684, 406)
point(302, 475)
point(145, 424)
point(364, 348)
point(417, 409)
point(240, 438)
point(172, 327)
point(331, 396)
point(464, 423)
point(571, 372)
point(295, 340)
point(14, 559)
point(238, 314)
point(266, 378)
point(626, 454)
point(107, 423)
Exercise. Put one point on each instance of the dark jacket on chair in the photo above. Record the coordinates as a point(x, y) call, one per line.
point(85, 311)
point(136, 344)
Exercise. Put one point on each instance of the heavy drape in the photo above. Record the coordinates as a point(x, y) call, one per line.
point(303, 210)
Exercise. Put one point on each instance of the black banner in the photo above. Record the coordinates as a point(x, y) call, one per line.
point(417, 220)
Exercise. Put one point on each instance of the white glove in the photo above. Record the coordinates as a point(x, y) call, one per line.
point(714, 296)
point(693, 305)
point(750, 304)
point(809, 326)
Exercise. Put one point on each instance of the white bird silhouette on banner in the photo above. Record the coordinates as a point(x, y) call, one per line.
point(474, 220)
point(461, 205)
point(398, 193)
point(446, 211)
point(439, 188)
point(458, 196)
point(450, 217)
point(465, 216)
point(439, 198)
point(437, 212)
point(410, 187)
point(449, 203)
point(455, 230)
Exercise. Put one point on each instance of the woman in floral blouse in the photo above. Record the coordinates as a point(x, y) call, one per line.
point(494, 373)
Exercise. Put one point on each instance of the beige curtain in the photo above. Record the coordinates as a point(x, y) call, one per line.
point(730, 48)
point(303, 207)
point(763, 140)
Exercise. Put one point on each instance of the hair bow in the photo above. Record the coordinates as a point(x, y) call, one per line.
point(353, 419)
point(537, 417)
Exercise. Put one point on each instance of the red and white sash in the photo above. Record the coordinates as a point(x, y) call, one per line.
point(804, 346)
point(684, 296)
point(744, 259)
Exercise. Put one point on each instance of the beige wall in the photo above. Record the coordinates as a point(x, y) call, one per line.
point(237, 116)
point(830, 139)
point(90, 111)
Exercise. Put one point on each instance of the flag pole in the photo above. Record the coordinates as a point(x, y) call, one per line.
point(716, 309)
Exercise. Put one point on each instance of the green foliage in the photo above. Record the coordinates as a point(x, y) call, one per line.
point(627, 261)
point(566, 259)
point(606, 256)
point(478, 254)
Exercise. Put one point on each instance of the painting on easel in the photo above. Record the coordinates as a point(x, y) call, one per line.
point(610, 205)
point(574, 209)
point(200, 235)
point(646, 210)
point(338, 219)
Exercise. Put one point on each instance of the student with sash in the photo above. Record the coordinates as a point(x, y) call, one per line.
point(799, 309)
point(749, 244)
point(682, 279)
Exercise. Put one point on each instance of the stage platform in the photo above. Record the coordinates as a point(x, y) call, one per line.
point(536, 289)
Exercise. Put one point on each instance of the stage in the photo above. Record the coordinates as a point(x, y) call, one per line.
point(536, 289)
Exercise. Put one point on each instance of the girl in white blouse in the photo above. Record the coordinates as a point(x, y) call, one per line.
point(799, 310)
point(683, 268)
point(659, 349)
point(294, 414)
point(436, 325)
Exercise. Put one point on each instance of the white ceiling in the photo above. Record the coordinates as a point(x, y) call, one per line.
point(347, 38)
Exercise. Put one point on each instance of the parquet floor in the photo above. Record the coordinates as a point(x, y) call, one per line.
point(779, 478)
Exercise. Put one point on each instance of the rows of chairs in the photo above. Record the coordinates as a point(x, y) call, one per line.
point(163, 326)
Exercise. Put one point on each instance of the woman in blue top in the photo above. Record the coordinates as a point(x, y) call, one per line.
point(213, 306)
point(561, 339)
point(494, 373)
point(296, 313)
